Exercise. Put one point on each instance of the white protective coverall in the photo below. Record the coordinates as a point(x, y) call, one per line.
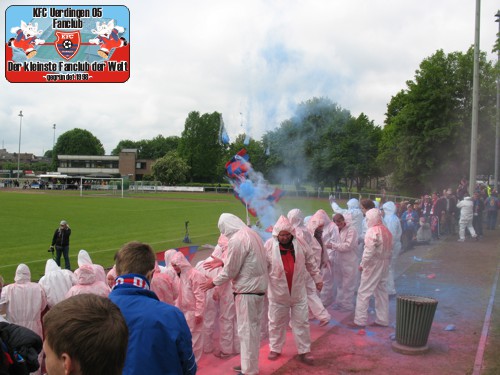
point(375, 264)
point(55, 283)
point(88, 283)
point(354, 209)
point(345, 263)
point(329, 233)
point(466, 206)
point(246, 266)
point(286, 304)
point(163, 286)
point(391, 221)
point(211, 305)
point(25, 302)
point(191, 300)
point(228, 330)
point(84, 258)
point(168, 266)
point(316, 307)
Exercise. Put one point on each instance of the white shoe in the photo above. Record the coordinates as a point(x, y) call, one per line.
point(461, 240)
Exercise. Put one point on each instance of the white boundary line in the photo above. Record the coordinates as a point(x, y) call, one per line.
point(478, 364)
point(103, 251)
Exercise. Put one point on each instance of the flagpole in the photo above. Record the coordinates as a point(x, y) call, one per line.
point(248, 218)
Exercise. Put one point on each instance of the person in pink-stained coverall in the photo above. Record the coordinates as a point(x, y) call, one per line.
point(346, 261)
point(321, 227)
point(84, 258)
point(246, 267)
point(374, 269)
point(25, 301)
point(87, 283)
point(289, 261)
point(191, 300)
point(316, 307)
point(163, 286)
point(229, 342)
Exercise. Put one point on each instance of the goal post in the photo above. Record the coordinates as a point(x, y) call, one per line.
point(101, 186)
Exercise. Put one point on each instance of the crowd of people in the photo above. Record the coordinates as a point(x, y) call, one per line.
point(248, 288)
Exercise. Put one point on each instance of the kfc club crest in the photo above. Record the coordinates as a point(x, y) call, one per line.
point(67, 43)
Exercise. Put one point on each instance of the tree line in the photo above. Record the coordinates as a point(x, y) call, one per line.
point(424, 144)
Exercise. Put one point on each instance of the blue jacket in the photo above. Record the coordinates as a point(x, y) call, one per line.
point(159, 337)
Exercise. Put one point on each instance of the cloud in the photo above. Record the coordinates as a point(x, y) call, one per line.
point(251, 60)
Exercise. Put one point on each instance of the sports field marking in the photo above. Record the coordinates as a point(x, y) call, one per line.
point(478, 364)
point(107, 250)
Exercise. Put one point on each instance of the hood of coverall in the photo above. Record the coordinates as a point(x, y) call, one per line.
point(320, 218)
point(220, 247)
point(282, 225)
point(86, 274)
point(296, 217)
point(168, 256)
point(352, 204)
point(83, 258)
point(389, 208)
point(347, 219)
point(23, 274)
point(373, 217)
point(181, 262)
point(51, 266)
point(229, 224)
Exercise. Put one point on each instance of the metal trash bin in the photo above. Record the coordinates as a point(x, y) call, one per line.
point(414, 316)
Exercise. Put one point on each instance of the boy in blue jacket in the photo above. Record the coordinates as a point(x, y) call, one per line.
point(159, 337)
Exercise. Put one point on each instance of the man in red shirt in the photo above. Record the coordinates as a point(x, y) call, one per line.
point(289, 260)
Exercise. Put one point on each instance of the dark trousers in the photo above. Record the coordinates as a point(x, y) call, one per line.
point(63, 250)
point(491, 219)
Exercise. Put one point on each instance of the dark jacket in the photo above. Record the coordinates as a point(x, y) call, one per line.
point(61, 237)
point(24, 342)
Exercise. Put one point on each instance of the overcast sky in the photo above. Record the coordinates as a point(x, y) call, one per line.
point(251, 60)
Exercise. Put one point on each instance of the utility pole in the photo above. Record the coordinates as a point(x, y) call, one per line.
point(498, 106)
point(19, 150)
point(475, 103)
point(54, 141)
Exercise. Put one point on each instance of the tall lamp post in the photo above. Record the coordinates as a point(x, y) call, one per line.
point(19, 150)
point(475, 103)
point(54, 140)
point(498, 107)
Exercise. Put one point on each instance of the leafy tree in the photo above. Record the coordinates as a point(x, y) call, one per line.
point(170, 169)
point(76, 142)
point(124, 143)
point(149, 149)
point(314, 146)
point(157, 147)
point(426, 140)
point(200, 146)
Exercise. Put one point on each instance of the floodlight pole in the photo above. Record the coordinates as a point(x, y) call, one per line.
point(19, 150)
point(54, 140)
point(475, 103)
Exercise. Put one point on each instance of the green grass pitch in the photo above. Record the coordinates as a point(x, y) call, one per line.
point(101, 225)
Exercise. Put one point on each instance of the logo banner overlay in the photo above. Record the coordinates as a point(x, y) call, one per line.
point(67, 44)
